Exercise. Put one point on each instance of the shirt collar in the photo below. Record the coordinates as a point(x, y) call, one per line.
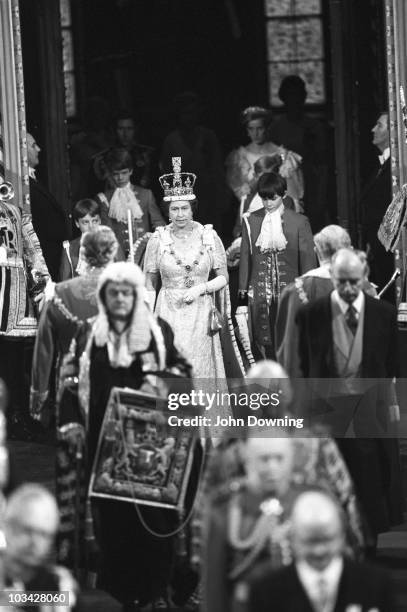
point(280, 209)
point(357, 304)
point(311, 577)
point(384, 156)
point(126, 188)
point(256, 203)
point(31, 173)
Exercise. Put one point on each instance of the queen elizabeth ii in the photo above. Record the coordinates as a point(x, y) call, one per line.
point(189, 262)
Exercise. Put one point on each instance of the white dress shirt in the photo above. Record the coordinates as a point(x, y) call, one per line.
point(311, 579)
point(344, 306)
point(384, 156)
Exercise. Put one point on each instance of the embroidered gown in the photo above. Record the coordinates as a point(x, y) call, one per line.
point(190, 261)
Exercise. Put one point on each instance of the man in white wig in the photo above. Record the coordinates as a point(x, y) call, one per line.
point(126, 346)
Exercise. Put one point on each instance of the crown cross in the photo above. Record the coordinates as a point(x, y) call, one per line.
point(178, 185)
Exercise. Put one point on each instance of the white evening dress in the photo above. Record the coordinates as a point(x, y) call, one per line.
point(240, 171)
point(183, 263)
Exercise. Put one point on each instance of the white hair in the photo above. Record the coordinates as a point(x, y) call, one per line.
point(122, 272)
point(315, 506)
point(330, 239)
point(19, 500)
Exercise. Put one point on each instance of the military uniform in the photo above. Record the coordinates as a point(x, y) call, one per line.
point(22, 274)
point(244, 532)
point(24, 256)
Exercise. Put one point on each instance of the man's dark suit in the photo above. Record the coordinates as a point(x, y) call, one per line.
point(282, 590)
point(50, 224)
point(379, 356)
point(375, 199)
point(373, 461)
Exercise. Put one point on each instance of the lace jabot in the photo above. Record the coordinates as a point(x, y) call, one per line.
point(124, 199)
point(271, 237)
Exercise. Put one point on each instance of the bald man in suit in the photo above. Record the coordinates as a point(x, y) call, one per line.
point(349, 340)
point(321, 578)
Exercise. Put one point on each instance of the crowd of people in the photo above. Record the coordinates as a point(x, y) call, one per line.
point(147, 304)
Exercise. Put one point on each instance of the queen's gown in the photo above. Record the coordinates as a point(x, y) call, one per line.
point(182, 263)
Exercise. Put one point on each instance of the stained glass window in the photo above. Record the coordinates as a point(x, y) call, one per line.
point(68, 63)
point(65, 12)
point(295, 46)
point(288, 8)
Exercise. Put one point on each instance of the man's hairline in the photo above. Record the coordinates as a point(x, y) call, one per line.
point(13, 514)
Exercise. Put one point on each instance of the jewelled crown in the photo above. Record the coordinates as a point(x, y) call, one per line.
point(178, 185)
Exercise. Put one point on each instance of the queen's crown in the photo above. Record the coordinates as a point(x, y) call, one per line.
point(178, 185)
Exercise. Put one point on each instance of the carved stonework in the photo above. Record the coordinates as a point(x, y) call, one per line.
point(18, 55)
point(392, 90)
point(12, 105)
point(396, 45)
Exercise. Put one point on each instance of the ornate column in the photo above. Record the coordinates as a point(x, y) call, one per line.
point(12, 106)
point(396, 49)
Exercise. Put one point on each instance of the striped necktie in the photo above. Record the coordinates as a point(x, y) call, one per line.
point(351, 319)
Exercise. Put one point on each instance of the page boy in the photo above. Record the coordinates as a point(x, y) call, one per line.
point(122, 196)
point(86, 215)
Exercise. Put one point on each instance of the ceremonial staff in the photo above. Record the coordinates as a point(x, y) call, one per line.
point(130, 232)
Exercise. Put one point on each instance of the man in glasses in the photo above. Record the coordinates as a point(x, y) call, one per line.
point(350, 338)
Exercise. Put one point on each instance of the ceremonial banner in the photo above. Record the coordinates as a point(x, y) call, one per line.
point(139, 457)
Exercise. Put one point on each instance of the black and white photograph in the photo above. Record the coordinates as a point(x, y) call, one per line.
point(203, 305)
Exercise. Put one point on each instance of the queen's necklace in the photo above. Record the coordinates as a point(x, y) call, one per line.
point(188, 268)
